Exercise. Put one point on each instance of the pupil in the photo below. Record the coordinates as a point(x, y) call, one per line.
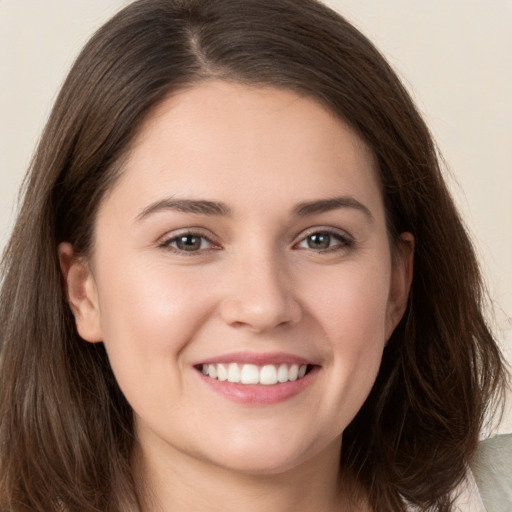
point(319, 241)
point(189, 243)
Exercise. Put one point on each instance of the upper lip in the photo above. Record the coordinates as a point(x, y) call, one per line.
point(258, 359)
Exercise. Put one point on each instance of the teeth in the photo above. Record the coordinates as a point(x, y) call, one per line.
point(222, 372)
point(293, 373)
point(267, 375)
point(249, 374)
point(212, 371)
point(233, 373)
point(282, 373)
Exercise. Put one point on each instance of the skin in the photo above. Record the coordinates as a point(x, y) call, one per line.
point(256, 284)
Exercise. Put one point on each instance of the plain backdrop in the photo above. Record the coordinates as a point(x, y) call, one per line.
point(455, 57)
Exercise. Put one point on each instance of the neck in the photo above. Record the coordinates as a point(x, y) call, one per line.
point(178, 482)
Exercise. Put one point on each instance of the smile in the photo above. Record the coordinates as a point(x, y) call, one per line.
point(257, 379)
point(267, 375)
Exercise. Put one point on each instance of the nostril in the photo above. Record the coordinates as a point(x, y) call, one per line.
point(260, 313)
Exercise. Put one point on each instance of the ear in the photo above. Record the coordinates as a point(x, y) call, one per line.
point(81, 293)
point(401, 279)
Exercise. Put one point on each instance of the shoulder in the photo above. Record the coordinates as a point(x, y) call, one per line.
point(492, 469)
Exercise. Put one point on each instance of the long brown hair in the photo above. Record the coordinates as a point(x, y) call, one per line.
point(66, 431)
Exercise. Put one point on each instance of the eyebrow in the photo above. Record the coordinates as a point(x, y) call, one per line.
point(204, 207)
point(326, 205)
point(197, 206)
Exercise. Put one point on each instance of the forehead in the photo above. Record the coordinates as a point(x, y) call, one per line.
point(234, 142)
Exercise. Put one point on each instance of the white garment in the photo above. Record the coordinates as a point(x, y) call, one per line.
point(492, 468)
point(488, 484)
point(468, 498)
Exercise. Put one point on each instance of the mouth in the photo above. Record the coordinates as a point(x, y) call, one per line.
point(251, 374)
point(257, 379)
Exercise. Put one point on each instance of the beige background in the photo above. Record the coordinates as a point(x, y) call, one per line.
point(454, 56)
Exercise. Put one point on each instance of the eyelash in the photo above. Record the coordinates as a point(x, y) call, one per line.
point(167, 243)
point(344, 242)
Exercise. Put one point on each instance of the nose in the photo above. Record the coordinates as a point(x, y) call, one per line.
point(259, 296)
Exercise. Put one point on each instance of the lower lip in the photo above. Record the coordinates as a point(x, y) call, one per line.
point(260, 394)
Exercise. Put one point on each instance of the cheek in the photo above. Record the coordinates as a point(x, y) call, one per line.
point(148, 310)
point(356, 331)
point(350, 303)
point(148, 316)
point(351, 308)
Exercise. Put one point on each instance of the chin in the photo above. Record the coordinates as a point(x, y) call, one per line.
point(259, 459)
point(261, 465)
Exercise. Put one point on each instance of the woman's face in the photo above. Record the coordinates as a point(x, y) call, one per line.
point(245, 240)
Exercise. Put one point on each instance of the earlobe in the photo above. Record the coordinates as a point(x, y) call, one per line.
point(81, 293)
point(401, 281)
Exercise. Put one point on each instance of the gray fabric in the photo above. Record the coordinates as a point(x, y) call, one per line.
point(492, 469)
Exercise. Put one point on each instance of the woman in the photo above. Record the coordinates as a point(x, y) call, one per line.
point(209, 299)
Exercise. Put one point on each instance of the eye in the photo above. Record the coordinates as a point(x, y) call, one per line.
point(188, 242)
point(325, 241)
